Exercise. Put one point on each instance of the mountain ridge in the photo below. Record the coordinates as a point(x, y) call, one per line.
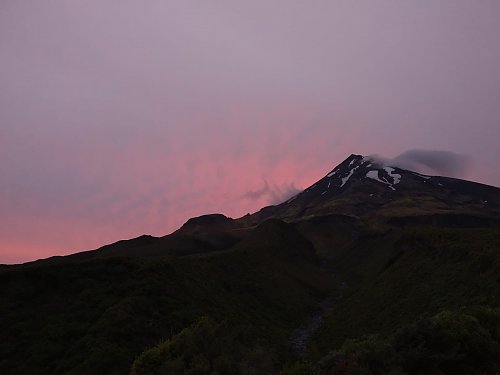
point(390, 194)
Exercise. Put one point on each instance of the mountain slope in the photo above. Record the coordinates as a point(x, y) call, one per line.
point(96, 316)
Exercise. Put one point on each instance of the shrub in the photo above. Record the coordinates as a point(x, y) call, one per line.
point(460, 342)
point(206, 347)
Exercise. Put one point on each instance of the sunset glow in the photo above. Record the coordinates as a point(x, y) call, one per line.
point(124, 118)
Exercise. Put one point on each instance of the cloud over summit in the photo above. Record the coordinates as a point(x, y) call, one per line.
point(445, 163)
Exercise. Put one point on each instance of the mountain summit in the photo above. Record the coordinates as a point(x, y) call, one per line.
point(361, 186)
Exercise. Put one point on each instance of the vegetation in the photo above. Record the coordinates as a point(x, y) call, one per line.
point(462, 342)
point(97, 316)
point(207, 347)
point(409, 273)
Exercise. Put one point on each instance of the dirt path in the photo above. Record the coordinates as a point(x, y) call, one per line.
point(298, 338)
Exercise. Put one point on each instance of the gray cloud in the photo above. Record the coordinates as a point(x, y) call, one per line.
point(444, 163)
point(273, 193)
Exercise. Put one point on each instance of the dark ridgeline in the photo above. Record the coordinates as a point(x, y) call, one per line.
point(412, 260)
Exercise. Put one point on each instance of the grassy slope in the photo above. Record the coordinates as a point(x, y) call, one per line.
point(408, 273)
point(97, 316)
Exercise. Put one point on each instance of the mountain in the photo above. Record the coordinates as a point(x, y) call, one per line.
point(412, 261)
point(361, 186)
point(357, 191)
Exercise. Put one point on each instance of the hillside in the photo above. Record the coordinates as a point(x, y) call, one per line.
point(96, 316)
point(370, 249)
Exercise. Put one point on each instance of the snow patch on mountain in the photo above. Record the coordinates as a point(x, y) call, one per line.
point(395, 176)
point(345, 179)
point(421, 176)
point(373, 174)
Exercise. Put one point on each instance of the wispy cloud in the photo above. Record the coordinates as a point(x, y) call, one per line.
point(273, 193)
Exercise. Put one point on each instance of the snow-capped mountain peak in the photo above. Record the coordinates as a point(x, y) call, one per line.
point(357, 167)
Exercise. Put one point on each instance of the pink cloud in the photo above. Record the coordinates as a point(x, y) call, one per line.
point(119, 120)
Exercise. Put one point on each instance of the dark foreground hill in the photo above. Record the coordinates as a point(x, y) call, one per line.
point(399, 272)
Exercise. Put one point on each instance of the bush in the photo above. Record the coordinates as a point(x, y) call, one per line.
point(464, 342)
point(206, 347)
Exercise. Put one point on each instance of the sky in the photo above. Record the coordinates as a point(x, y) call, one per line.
point(119, 118)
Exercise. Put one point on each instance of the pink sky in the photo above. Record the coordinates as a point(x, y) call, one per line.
point(124, 118)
